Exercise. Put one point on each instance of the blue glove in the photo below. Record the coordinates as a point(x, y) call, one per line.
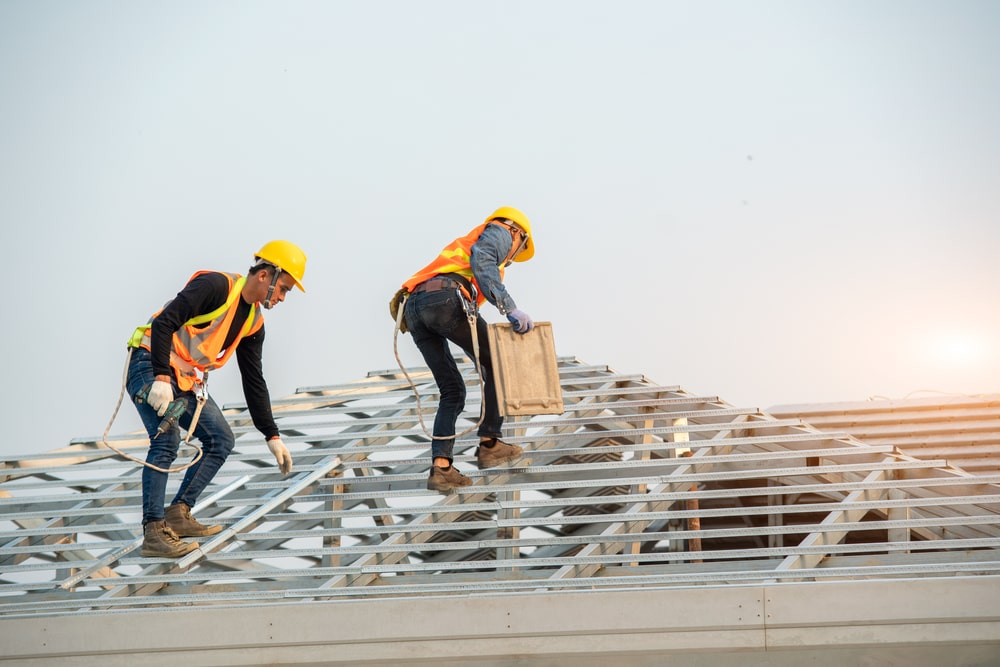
point(521, 320)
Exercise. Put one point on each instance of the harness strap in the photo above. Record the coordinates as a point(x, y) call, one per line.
point(472, 319)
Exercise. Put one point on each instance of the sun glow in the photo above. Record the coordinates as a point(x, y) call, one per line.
point(957, 349)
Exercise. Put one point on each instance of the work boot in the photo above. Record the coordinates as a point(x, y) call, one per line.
point(446, 479)
point(495, 451)
point(179, 518)
point(158, 541)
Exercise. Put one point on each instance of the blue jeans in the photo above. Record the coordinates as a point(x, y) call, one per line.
point(434, 319)
point(212, 431)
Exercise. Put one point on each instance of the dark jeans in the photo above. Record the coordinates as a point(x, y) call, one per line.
point(213, 433)
point(434, 319)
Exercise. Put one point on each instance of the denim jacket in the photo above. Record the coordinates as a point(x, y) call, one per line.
point(487, 254)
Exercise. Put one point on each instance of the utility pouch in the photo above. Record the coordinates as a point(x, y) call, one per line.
point(395, 304)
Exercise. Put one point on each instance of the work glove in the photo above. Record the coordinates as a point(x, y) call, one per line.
point(521, 320)
point(281, 455)
point(161, 394)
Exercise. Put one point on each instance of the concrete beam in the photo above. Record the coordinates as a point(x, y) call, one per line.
point(954, 621)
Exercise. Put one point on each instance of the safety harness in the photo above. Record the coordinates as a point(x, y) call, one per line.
point(201, 396)
point(470, 299)
point(396, 308)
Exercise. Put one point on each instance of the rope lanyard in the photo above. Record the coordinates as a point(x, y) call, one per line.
point(201, 396)
point(471, 314)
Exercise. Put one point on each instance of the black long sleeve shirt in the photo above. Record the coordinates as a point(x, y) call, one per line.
point(201, 295)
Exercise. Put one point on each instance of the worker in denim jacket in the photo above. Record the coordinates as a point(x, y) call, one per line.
point(466, 274)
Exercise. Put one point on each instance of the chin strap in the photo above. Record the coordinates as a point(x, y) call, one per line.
point(270, 290)
point(515, 233)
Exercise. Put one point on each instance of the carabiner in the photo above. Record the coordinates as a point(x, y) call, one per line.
point(470, 307)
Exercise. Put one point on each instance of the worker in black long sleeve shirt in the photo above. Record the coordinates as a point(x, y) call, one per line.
point(203, 294)
point(215, 315)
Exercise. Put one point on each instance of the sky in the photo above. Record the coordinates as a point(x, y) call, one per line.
point(770, 202)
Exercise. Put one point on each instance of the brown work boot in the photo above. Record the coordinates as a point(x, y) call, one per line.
point(495, 451)
point(179, 518)
point(158, 541)
point(446, 479)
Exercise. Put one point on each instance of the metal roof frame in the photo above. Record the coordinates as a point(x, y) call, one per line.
point(635, 486)
point(632, 473)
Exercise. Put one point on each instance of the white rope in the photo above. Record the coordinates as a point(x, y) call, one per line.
point(471, 316)
point(187, 440)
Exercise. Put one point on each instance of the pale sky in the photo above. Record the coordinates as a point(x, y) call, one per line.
point(772, 202)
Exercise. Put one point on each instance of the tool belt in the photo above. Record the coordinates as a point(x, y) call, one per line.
point(395, 303)
point(435, 284)
point(448, 281)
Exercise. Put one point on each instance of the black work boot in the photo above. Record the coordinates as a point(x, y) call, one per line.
point(495, 451)
point(446, 479)
point(158, 541)
point(179, 518)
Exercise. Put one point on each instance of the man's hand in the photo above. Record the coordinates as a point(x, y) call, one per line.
point(161, 394)
point(521, 320)
point(281, 455)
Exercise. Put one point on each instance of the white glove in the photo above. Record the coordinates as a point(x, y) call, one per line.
point(281, 455)
point(161, 394)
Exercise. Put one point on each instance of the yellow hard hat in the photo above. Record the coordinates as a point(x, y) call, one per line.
point(286, 256)
point(521, 219)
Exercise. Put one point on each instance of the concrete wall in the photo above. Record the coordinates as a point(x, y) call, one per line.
point(916, 623)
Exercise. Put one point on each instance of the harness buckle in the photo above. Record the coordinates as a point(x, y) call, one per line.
point(470, 306)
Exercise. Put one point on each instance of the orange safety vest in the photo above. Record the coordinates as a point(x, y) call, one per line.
point(455, 258)
point(197, 345)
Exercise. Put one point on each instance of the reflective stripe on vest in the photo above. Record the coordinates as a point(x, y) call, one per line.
point(200, 348)
point(455, 258)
